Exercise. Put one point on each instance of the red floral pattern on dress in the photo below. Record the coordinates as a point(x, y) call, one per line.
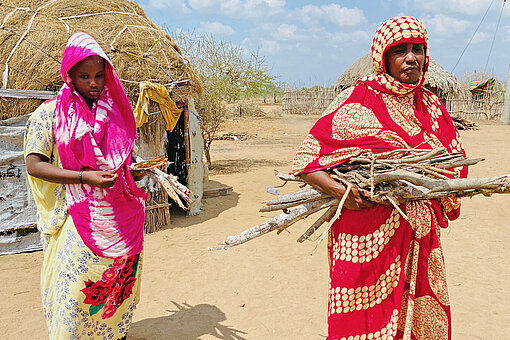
point(114, 287)
point(97, 292)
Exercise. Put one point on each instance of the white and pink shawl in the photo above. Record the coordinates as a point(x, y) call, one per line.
point(109, 221)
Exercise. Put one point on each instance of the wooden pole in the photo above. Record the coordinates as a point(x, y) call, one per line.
point(505, 117)
point(185, 112)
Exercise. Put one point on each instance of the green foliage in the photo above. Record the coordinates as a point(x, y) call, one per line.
point(228, 74)
point(94, 309)
point(315, 88)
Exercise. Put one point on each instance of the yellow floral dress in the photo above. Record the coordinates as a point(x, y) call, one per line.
point(84, 296)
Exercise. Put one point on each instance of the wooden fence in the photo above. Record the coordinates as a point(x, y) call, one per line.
point(488, 106)
point(307, 101)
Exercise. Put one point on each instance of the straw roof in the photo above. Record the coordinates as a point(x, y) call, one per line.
point(438, 80)
point(34, 33)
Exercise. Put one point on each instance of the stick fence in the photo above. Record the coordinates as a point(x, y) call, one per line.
point(307, 101)
point(488, 106)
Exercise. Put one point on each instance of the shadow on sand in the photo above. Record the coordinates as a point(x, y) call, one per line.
point(231, 166)
point(214, 206)
point(211, 208)
point(185, 323)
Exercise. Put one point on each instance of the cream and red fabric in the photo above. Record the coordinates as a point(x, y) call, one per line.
point(109, 221)
point(387, 275)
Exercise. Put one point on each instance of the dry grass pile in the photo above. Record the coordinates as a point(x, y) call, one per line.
point(34, 33)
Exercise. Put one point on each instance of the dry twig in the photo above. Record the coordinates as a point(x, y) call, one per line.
point(411, 174)
point(168, 182)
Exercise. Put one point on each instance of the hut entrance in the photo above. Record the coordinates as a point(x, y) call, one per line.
point(176, 150)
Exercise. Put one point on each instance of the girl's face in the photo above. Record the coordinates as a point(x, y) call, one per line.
point(88, 77)
point(405, 62)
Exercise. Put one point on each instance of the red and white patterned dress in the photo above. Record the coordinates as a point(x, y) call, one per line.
point(387, 274)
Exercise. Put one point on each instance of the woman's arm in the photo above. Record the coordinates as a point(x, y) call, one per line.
point(38, 166)
point(322, 181)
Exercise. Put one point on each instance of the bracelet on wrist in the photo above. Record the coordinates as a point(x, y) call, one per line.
point(81, 177)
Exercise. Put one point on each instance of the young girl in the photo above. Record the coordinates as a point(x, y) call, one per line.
point(90, 212)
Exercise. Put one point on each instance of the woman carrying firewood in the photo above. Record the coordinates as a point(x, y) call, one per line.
point(90, 212)
point(387, 274)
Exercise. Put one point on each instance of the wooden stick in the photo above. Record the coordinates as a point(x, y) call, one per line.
point(336, 216)
point(385, 177)
point(431, 172)
point(284, 206)
point(443, 171)
point(395, 205)
point(416, 159)
point(327, 203)
point(296, 196)
point(287, 177)
point(169, 183)
point(326, 217)
point(265, 227)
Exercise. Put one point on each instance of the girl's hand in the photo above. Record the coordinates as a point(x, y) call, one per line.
point(100, 179)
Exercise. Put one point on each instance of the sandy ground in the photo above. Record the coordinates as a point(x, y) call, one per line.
point(271, 287)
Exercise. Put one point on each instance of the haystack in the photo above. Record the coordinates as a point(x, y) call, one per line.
point(33, 34)
point(438, 80)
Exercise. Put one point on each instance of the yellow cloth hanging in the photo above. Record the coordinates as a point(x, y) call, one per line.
point(159, 94)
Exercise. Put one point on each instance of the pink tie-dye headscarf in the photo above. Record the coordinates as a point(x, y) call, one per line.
point(109, 221)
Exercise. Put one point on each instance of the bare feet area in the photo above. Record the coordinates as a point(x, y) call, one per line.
point(272, 287)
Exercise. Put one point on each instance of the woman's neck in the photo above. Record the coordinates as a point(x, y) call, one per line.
point(90, 102)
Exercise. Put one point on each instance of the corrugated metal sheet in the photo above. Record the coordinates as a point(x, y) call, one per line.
point(18, 214)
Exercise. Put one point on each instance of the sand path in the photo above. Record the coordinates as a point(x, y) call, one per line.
point(272, 288)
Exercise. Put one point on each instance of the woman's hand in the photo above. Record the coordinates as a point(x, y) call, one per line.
point(100, 179)
point(322, 181)
point(38, 166)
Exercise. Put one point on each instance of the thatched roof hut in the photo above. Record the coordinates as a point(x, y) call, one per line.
point(34, 33)
point(438, 80)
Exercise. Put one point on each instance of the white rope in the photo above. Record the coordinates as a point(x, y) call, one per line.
point(99, 13)
point(164, 54)
point(5, 75)
point(26, 9)
point(65, 25)
point(122, 31)
point(171, 84)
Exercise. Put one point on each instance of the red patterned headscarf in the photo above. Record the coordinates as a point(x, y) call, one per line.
point(394, 32)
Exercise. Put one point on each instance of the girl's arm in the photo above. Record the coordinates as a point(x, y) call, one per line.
point(38, 166)
point(322, 181)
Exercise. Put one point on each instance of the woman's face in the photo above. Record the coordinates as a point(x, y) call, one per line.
point(405, 62)
point(88, 77)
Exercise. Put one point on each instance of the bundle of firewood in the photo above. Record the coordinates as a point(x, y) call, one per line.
point(168, 182)
point(464, 124)
point(404, 174)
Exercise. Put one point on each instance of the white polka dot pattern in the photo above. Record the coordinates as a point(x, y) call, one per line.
point(348, 300)
point(365, 248)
